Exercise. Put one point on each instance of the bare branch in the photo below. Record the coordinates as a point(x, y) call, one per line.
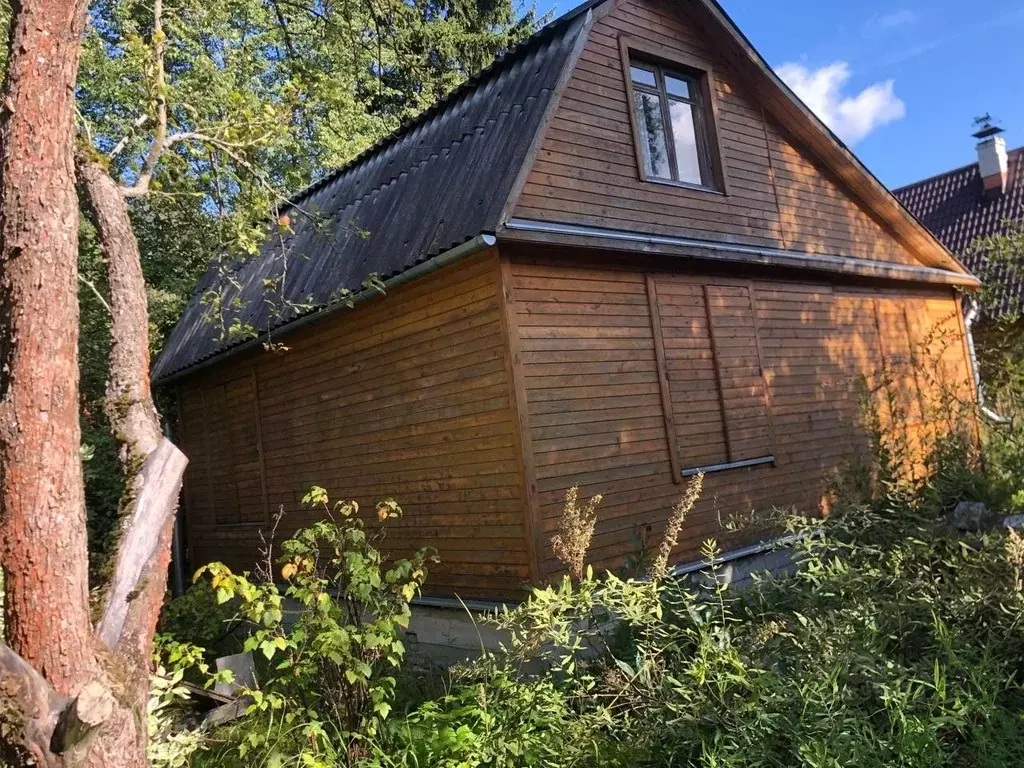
point(92, 286)
point(84, 122)
point(142, 186)
point(139, 122)
point(136, 593)
point(216, 141)
point(231, 150)
point(282, 23)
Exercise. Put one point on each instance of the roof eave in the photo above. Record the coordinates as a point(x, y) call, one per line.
point(469, 248)
point(720, 252)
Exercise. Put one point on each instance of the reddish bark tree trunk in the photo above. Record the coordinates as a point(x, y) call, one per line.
point(42, 502)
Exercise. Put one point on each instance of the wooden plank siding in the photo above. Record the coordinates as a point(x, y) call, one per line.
point(407, 396)
point(586, 171)
point(755, 367)
point(477, 395)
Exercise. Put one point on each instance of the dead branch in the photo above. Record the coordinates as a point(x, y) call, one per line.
point(137, 589)
point(140, 121)
point(282, 23)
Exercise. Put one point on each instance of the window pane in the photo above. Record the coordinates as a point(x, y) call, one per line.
point(652, 135)
point(678, 87)
point(642, 76)
point(685, 135)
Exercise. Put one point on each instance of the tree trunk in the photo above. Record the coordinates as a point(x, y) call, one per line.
point(42, 501)
point(69, 695)
point(154, 465)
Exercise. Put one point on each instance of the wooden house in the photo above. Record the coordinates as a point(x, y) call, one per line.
point(622, 254)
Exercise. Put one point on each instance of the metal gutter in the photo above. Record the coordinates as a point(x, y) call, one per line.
point(479, 243)
point(748, 551)
point(714, 250)
point(995, 418)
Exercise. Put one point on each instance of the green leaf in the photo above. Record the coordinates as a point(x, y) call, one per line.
point(269, 647)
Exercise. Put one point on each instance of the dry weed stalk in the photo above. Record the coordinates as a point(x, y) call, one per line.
point(575, 530)
point(1015, 556)
point(659, 569)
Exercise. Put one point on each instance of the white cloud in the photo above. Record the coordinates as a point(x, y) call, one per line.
point(852, 117)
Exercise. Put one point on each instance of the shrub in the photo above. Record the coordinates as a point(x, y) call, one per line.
point(328, 684)
point(197, 619)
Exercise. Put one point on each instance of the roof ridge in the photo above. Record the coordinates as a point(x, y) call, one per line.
point(950, 172)
point(509, 57)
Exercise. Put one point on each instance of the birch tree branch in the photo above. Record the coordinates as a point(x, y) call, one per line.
point(139, 122)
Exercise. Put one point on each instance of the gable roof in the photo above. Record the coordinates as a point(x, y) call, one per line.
point(447, 176)
point(953, 206)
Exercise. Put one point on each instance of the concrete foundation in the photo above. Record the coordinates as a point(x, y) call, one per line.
point(444, 632)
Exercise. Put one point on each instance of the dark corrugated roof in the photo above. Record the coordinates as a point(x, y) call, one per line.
point(953, 206)
point(438, 181)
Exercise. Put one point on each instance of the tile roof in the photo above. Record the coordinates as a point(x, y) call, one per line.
point(952, 205)
point(439, 180)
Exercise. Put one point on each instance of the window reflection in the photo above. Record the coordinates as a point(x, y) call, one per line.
point(652, 135)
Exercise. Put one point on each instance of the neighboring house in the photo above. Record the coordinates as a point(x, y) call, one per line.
point(622, 254)
point(976, 201)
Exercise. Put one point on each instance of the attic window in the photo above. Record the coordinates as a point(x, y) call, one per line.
point(673, 120)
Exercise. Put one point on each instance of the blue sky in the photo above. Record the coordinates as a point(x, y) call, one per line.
point(901, 82)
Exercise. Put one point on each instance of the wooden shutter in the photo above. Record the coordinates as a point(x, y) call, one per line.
point(695, 424)
point(717, 403)
point(734, 338)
